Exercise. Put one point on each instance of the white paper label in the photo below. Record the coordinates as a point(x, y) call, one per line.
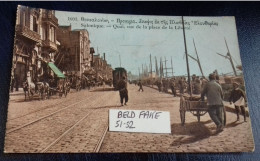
point(139, 121)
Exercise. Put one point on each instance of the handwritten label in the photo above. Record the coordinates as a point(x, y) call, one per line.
point(139, 121)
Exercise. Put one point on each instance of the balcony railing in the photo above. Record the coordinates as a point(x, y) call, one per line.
point(49, 44)
point(25, 31)
point(49, 17)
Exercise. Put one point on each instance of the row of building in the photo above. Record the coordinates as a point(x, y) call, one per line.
point(39, 41)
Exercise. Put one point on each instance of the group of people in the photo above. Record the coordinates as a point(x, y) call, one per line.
point(213, 91)
point(209, 88)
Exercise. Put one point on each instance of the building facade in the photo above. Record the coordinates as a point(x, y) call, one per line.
point(74, 52)
point(35, 43)
point(102, 69)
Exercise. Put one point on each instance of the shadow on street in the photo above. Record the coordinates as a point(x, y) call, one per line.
point(191, 132)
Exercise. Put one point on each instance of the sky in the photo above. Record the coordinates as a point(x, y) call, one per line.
point(134, 45)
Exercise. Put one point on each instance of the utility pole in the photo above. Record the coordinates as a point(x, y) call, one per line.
point(156, 66)
point(161, 66)
point(139, 72)
point(172, 65)
point(120, 60)
point(151, 70)
point(142, 70)
point(165, 67)
point(187, 58)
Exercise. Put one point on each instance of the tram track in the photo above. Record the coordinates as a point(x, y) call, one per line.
point(41, 109)
point(65, 133)
point(101, 140)
point(98, 145)
point(48, 115)
point(52, 131)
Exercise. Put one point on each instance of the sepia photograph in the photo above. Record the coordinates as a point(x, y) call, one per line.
point(118, 83)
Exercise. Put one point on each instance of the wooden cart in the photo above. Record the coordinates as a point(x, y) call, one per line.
point(194, 105)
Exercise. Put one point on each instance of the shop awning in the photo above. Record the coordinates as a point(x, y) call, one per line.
point(56, 70)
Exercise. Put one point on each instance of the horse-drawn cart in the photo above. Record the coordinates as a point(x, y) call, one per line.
point(61, 86)
point(40, 89)
point(195, 106)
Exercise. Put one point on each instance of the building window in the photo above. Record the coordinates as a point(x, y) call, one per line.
point(43, 33)
point(35, 25)
point(52, 34)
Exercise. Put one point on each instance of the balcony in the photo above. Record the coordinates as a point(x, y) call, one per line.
point(26, 32)
point(49, 17)
point(49, 44)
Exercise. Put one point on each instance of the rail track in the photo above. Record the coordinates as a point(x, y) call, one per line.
point(48, 115)
point(41, 109)
point(87, 110)
point(99, 142)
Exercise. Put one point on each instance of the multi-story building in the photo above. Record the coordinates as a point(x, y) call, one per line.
point(102, 69)
point(27, 44)
point(74, 55)
point(48, 31)
point(35, 43)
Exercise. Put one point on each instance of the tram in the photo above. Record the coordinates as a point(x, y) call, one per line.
point(118, 73)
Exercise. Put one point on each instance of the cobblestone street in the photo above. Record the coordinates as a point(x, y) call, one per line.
point(79, 123)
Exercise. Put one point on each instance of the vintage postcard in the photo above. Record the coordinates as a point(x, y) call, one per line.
point(101, 83)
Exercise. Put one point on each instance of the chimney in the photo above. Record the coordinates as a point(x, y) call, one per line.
point(104, 56)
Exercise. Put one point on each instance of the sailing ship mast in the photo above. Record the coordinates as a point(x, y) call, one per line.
point(228, 56)
point(197, 60)
point(187, 58)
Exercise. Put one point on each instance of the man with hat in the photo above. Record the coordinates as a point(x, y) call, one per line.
point(214, 94)
point(140, 86)
point(123, 92)
point(238, 97)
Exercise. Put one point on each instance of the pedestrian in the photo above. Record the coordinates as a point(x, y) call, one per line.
point(159, 84)
point(203, 81)
point(173, 87)
point(197, 86)
point(238, 97)
point(140, 86)
point(181, 85)
point(123, 92)
point(214, 94)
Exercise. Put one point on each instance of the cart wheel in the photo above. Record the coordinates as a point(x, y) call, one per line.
point(198, 116)
point(182, 115)
point(182, 111)
point(225, 117)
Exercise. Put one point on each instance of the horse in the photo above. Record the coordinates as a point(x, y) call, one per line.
point(43, 89)
point(67, 86)
point(31, 89)
point(63, 87)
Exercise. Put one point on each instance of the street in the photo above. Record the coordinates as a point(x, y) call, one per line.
point(79, 123)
